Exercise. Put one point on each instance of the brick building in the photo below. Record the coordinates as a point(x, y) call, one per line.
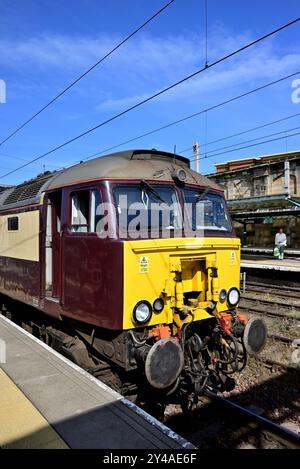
point(263, 195)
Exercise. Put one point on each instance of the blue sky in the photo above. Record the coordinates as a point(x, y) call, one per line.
point(45, 44)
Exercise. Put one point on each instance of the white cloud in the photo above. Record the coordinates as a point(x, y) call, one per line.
point(67, 51)
point(54, 51)
point(240, 72)
point(146, 64)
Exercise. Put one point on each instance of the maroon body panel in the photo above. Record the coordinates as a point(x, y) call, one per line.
point(92, 280)
point(20, 279)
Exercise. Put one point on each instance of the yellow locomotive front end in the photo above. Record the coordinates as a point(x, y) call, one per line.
point(180, 306)
point(191, 277)
point(181, 262)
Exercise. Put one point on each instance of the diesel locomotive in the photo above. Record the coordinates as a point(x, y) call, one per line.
point(128, 264)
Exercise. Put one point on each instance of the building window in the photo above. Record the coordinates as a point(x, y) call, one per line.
point(13, 223)
point(260, 186)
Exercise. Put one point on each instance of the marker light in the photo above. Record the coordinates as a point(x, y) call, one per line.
point(222, 295)
point(158, 305)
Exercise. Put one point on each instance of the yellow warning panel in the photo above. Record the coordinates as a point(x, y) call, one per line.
point(21, 424)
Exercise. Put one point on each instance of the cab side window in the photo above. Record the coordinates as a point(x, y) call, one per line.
point(13, 223)
point(84, 205)
point(80, 211)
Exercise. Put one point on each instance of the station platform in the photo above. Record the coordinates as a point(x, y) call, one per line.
point(285, 265)
point(47, 401)
point(288, 252)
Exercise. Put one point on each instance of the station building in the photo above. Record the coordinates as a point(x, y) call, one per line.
point(263, 195)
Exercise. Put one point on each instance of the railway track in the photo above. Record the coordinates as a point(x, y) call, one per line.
point(278, 301)
point(271, 300)
point(273, 283)
point(274, 289)
point(282, 303)
point(274, 431)
point(268, 308)
point(271, 430)
point(232, 425)
point(275, 286)
point(269, 363)
point(221, 423)
point(281, 338)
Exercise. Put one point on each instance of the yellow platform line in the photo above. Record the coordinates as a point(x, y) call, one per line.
point(22, 426)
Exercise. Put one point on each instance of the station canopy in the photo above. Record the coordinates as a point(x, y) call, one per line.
point(264, 206)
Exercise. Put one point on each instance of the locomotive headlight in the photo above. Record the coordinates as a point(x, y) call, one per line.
point(222, 295)
point(233, 296)
point(142, 312)
point(158, 305)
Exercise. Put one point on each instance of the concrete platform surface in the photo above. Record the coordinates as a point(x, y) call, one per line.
point(287, 265)
point(48, 401)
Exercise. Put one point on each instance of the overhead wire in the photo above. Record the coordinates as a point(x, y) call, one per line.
point(178, 121)
point(247, 146)
point(249, 141)
point(252, 129)
point(108, 54)
point(153, 96)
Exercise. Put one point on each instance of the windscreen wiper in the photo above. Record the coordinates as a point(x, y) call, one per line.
point(146, 185)
point(201, 196)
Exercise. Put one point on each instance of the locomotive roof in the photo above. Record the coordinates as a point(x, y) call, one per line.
point(131, 164)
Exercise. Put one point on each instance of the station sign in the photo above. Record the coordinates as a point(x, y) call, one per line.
point(266, 220)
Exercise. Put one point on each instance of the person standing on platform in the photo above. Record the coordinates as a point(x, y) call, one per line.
point(280, 242)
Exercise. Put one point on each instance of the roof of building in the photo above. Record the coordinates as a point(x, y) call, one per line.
point(244, 163)
point(131, 164)
point(234, 166)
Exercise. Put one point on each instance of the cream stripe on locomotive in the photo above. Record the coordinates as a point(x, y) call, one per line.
point(19, 235)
